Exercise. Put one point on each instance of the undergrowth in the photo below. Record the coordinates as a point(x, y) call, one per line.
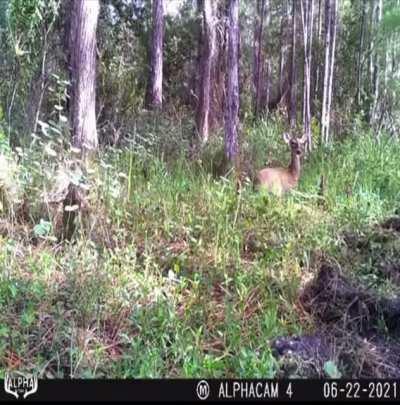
point(172, 272)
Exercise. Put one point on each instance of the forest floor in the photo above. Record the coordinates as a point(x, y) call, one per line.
point(170, 272)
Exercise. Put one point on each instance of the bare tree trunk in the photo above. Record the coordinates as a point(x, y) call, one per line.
point(360, 52)
point(218, 89)
point(195, 90)
point(334, 10)
point(232, 97)
point(327, 42)
point(293, 71)
point(208, 47)
point(267, 68)
point(307, 16)
point(375, 71)
point(372, 5)
point(157, 39)
point(284, 49)
point(317, 64)
point(83, 72)
point(257, 55)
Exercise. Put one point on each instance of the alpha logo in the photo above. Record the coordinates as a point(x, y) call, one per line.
point(203, 389)
point(19, 385)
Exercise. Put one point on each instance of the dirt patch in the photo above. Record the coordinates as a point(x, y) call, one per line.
point(332, 298)
point(357, 330)
point(358, 325)
point(392, 223)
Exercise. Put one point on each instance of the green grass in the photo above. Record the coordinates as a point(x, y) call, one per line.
point(175, 274)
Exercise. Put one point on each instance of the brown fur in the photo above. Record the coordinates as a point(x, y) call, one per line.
point(279, 180)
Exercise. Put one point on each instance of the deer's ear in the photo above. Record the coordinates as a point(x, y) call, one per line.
point(286, 137)
point(303, 139)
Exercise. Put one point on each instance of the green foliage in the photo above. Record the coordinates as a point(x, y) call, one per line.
point(27, 19)
point(177, 274)
point(391, 19)
point(42, 229)
point(331, 370)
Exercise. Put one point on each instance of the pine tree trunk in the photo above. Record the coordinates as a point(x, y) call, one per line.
point(375, 70)
point(372, 5)
point(206, 61)
point(157, 40)
point(327, 42)
point(284, 49)
point(360, 52)
point(232, 84)
point(317, 64)
point(267, 60)
point(195, 89)
point(293, 71)
point(307, 16)
point(257, 55)
point(83, 73)
point(333, 26)
point(218, 89)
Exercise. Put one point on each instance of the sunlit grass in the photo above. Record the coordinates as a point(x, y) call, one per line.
point(176, 273)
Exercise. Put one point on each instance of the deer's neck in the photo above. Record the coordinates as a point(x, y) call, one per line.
point(294, 167)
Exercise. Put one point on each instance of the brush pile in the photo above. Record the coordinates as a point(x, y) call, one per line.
point(358, 327)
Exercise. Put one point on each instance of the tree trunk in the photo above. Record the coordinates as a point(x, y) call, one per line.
point(218, 89)
point(156, 70)
point(317, 60)
point(257, 55)
point(268, 59)
point(83, 73)
point(372, 5)
point(360, 52)
point(333, 26)
point(195, 89)
point(206, 61)
point(232, 83)
point(293, 71)
point(307, 16)
point(284, 48)
point(378, 5)
point(327, 43)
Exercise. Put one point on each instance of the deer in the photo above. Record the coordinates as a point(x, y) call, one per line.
point(280, 180)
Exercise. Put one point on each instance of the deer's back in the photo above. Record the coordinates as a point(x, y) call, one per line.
point(277, 180)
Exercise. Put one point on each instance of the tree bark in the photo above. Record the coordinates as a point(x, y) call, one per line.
point(257, 55)
point(317, 60)
point(206, 61)
point(360, 52)
point(83, 73)
point(219, 68)
point(327, 43)
point(195, 90)
point(378, 5)
point(307, 16)
point(331, 63)
point(293, 71)
point(232, 83)
point(156, 70)
point(267, 68)
point(284, 48)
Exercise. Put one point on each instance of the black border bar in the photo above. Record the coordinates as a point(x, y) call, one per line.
point(212, 391)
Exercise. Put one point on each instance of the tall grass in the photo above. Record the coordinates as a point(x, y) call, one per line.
point(177, 274)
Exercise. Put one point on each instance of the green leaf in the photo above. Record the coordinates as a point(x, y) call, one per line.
point(331, 369)
point(42, 229)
